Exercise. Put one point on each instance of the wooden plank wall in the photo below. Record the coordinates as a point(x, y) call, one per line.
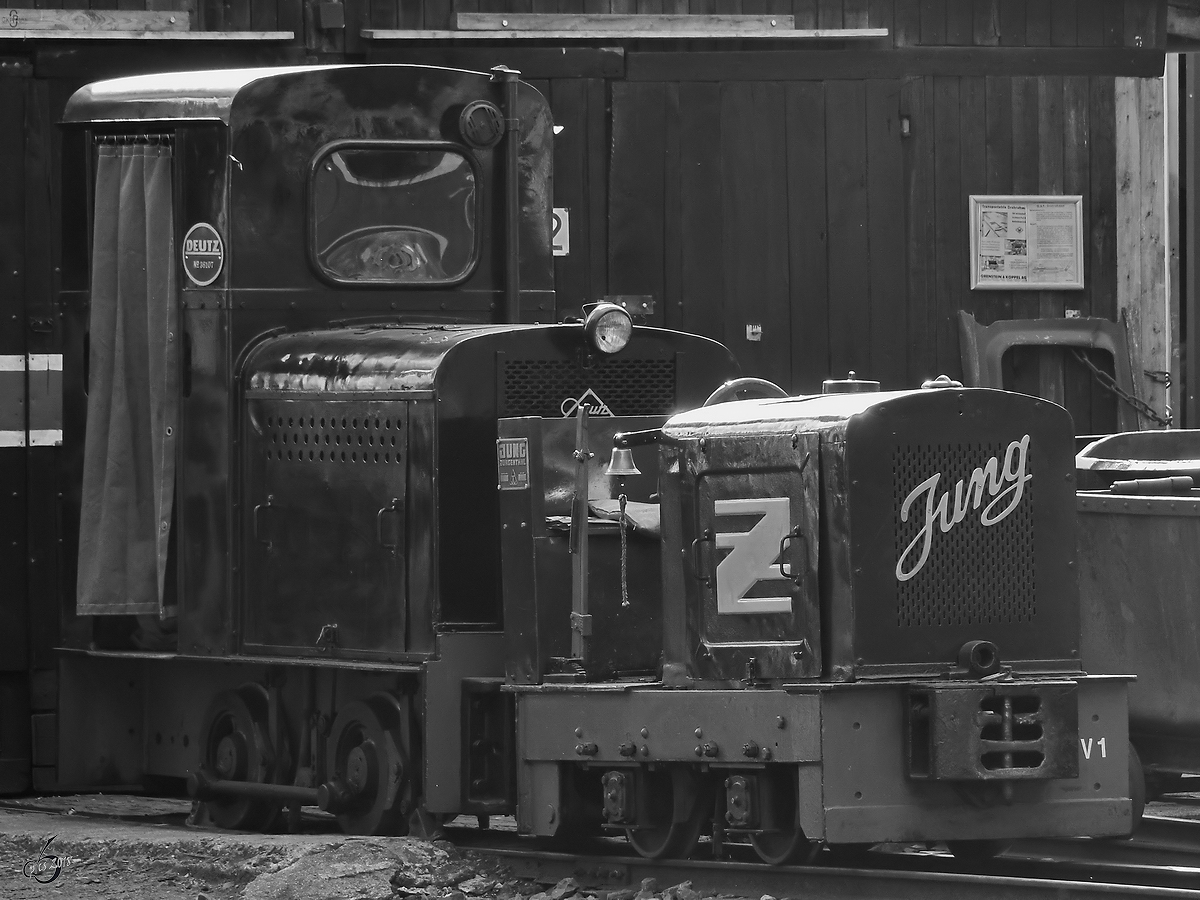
point(799, 206)
point(912, 23)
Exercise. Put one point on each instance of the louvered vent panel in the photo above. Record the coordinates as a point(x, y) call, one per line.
point(552, 387)
point(349, 437)
point(975, 574)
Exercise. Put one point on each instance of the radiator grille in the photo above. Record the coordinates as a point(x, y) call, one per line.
point(351, 438)
point(975, 574)
point(553, 387)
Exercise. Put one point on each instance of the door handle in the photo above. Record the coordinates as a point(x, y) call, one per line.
point(389, 526)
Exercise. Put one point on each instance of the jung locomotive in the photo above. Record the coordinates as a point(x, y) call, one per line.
point(870, 631)
point(347, 535)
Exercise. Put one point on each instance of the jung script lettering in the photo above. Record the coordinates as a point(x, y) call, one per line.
point(1002, 484)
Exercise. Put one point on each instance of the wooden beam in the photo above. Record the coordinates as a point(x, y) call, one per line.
point(534, 62)
point(1190, 229)
point(809, 65)
point(1172, 109)
point(643, 34)
point(616, 23)
point(21, 20)
point(1141, 229)
point(191, 36)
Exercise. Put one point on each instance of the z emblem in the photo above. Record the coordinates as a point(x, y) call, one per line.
point(753, 556)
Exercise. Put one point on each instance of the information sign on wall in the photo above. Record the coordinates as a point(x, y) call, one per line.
point(1026, 242)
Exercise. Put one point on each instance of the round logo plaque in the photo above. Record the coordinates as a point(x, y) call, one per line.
point(203, 254)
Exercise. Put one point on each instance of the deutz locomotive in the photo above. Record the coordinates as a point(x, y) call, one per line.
point(348, 537)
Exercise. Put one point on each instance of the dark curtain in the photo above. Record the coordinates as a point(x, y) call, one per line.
point(133, 386)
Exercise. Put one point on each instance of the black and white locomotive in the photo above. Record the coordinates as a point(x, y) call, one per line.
point(349, 535)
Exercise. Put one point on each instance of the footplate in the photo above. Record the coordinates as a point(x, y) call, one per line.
point(993, 732)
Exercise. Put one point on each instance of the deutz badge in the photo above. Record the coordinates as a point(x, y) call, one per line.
point(203, 254)
point(512, 463)
point(589, 401)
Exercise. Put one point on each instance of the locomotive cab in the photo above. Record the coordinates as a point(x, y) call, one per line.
point(228, 205)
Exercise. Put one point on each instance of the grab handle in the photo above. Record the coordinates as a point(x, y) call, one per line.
point(698, 571)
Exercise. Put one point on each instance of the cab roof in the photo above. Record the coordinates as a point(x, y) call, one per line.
point(174, 96)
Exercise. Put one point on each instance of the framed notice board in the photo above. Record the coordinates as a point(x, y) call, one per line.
point(1026, 242)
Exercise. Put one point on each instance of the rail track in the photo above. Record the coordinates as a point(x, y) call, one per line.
point(818, 882)
point(1159, 843)
point(1162, 861)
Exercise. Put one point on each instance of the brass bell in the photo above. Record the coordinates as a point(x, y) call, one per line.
point(621, 463)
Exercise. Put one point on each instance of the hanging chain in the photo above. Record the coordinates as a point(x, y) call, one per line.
point(1109, 384)
point(624, 520)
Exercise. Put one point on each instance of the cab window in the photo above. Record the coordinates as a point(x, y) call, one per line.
point(393, 215)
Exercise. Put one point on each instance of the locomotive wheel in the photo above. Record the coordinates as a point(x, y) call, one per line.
point(368, 762)
point(681, 805)
point(786, 844)
point(237, 748)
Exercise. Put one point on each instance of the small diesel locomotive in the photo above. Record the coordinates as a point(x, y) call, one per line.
point(870, 633)
point(347, 535)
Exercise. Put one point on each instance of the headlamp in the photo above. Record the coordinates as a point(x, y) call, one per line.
point(608, 327)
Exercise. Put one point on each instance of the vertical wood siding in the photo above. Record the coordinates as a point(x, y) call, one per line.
point(799, 207)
